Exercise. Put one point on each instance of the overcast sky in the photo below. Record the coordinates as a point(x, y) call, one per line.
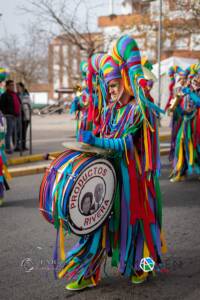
point(14, 21)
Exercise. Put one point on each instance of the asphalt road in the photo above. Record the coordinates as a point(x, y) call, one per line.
point(27, 243)
point(27, 240)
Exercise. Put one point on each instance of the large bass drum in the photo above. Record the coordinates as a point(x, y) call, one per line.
point(79, 189)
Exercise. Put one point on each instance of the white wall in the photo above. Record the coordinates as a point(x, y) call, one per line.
point(39, 98)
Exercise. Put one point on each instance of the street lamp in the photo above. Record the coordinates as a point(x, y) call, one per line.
point(159, 45)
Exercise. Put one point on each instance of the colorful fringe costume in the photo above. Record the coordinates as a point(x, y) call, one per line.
point(130, 132)
point(97, 91)
point(185, 141)
point(4, 174)
point(174, 105)
point(3, 75)
point(80, 103)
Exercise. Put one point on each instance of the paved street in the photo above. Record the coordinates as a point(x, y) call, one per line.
point(140, 59)
point(25, 235)
point(27, 240)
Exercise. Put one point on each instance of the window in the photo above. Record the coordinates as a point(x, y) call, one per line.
point(56, 54)
point(181, 43)
point(172, 5)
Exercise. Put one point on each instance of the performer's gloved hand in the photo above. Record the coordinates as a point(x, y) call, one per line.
point(186, 90)
point(117, 144)
point(87, 137)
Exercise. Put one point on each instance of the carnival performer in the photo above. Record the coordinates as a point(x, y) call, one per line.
point(3, 76)
point(4, 174)
point(80, 102)
point(130, 130)
point(184, 152)
point(174, 107)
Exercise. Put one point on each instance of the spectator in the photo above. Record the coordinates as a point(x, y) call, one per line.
point(26, 113)
point(10, 106)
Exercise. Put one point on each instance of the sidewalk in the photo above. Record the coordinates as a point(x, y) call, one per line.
point(49, 132)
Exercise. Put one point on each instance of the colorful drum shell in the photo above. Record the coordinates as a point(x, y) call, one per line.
point(78, 188)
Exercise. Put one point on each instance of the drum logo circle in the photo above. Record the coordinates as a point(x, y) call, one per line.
point(91, 198)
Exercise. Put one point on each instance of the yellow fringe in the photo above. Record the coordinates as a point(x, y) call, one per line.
point(63, 271)
point(126, 82)
point(62, 239)
point(164, 244)
point(99, 100)
point(146, 147)
point(146, 252)
point(93, 281)
point(137, 161)
point(104, 238)
point(180, 157)
point(191, 153)
point(126, 152)
point(6, 173)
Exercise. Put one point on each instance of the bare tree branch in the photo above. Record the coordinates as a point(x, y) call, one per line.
point(74, 31)
point(26, 61)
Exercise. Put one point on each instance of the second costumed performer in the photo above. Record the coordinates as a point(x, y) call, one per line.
point(130, 129)
point(185, 150)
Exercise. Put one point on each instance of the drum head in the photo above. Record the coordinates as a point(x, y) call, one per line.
point(92, 196)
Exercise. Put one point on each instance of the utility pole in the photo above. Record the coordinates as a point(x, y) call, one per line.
point(159, 47)
point(1, 15)
point(159, 51)
point(111, 8)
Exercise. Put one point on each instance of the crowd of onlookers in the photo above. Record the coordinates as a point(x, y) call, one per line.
point(15, 106)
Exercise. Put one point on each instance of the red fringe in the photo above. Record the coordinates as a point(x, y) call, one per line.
point(139, 205)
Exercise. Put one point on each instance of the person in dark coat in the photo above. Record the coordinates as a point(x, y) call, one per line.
point(10, 106)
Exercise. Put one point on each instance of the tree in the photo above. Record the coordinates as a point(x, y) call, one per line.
point(191, 9)
point(180, 24)
point(26, 59)
point(60, 18)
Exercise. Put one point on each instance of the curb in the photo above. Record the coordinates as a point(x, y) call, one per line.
point(164, 151)
point(165, 137)
point(38, 169)
point(32, 158)
point(29, 170)
point(46, 156)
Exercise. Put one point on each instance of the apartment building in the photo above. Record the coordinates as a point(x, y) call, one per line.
point(180, 37)
point(64, 61)
point(180, 34)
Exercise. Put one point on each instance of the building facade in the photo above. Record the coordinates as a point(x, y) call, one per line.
point(180, 32)
point(64, 61)
point(140, 18)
